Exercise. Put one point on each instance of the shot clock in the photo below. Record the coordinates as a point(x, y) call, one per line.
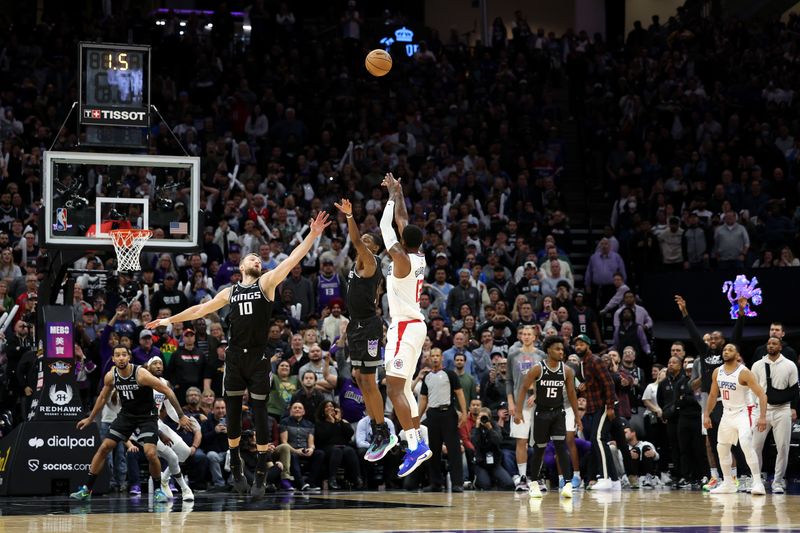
point(114, 85)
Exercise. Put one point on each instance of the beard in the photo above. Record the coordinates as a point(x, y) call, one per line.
point(253, 272)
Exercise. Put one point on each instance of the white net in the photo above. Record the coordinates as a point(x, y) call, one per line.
point(128, 244)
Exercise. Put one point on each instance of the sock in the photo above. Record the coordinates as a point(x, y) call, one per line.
point(522, 468)
point(576, 475)
point(261, 468)
point(376, 429)
point(733, 472)
point(90, 482)
point(412, 437)
point(181, 481)
point(156, 483)
point(385, 431)
point(419, 435)
point(715, 473)
point(236, 463)
point(560, 479)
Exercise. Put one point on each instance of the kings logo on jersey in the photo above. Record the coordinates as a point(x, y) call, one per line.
point(372, 347)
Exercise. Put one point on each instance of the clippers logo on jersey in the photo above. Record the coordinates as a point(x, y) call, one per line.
point(397, 363)
point(726, 385)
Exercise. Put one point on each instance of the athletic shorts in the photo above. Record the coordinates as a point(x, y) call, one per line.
point(569, 417)
point(126, 424)
point(364, 340)
point(734, 426)
point(550, 424)
point(404, 342)
point(523, 431)
point(246, 368)
point(178, 446)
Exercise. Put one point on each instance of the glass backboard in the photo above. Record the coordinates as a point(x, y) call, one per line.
point(87, 195)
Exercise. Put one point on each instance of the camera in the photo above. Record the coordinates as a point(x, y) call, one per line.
point(484, 419)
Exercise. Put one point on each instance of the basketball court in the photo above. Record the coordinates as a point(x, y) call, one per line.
point(499, 512)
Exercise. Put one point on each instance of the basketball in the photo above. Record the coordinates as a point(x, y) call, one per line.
point(378, 63)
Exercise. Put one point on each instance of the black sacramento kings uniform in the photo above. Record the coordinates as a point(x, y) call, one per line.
point(365, 329)
point(246, 367)
point(138, 410)
point(549, 417)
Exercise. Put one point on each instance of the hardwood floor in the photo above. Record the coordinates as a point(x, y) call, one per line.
point(657, 511)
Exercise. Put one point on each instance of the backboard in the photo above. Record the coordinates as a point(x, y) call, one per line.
point(87, 195)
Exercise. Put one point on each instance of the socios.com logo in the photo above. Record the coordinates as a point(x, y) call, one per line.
point(36, 442)
point(33, 464)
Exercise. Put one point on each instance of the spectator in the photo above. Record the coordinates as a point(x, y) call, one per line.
point(644, 459)
point(186, 366)
point(169, 296)
point(463, 293)
point(671, 242)
point(731, 243)
point(551, 283)
point(308, 395)
point(468, 384)
point(641, 316)
point(322, 368)
point(600, 271)
point(459, 348)
point(487, 440)
point(215, 442)
point(282, 389)
point(333, 435)
point(215, 369)
point(298, 432)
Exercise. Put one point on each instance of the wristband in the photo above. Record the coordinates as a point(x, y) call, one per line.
point(349, 216)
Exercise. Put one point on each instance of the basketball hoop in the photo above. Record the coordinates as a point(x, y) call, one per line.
point(128, 244)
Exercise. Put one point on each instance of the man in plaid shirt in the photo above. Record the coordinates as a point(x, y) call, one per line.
point(597, 387)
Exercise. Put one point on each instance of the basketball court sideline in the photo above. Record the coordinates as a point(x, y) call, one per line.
point(396, 512)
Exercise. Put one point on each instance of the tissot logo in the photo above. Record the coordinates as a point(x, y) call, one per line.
point(108, 114)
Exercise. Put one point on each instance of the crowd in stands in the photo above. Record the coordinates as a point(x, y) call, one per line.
point(692, 126)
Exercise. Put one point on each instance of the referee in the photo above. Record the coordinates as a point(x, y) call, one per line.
point(440, 389)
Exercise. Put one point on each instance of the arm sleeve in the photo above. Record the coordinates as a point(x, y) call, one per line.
point(736, 338)
point(695, 335)
point(387, 231)
point(424, 390)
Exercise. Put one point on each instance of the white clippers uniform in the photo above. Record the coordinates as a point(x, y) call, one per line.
point(407, 332)
point(179, 451)
point(735, 425)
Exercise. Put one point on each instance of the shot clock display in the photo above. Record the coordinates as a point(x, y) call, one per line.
point(115, 84)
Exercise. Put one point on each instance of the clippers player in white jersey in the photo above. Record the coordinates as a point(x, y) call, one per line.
point(733, 382)
point(246, 367)
point(177, 451)
point(407, 332)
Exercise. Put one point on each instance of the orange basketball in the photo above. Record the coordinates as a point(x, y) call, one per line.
point(378, 63)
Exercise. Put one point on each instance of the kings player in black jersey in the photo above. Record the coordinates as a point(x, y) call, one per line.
point(365, 330)
point(552, 377)
point(134, 385)
point(246, 366)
